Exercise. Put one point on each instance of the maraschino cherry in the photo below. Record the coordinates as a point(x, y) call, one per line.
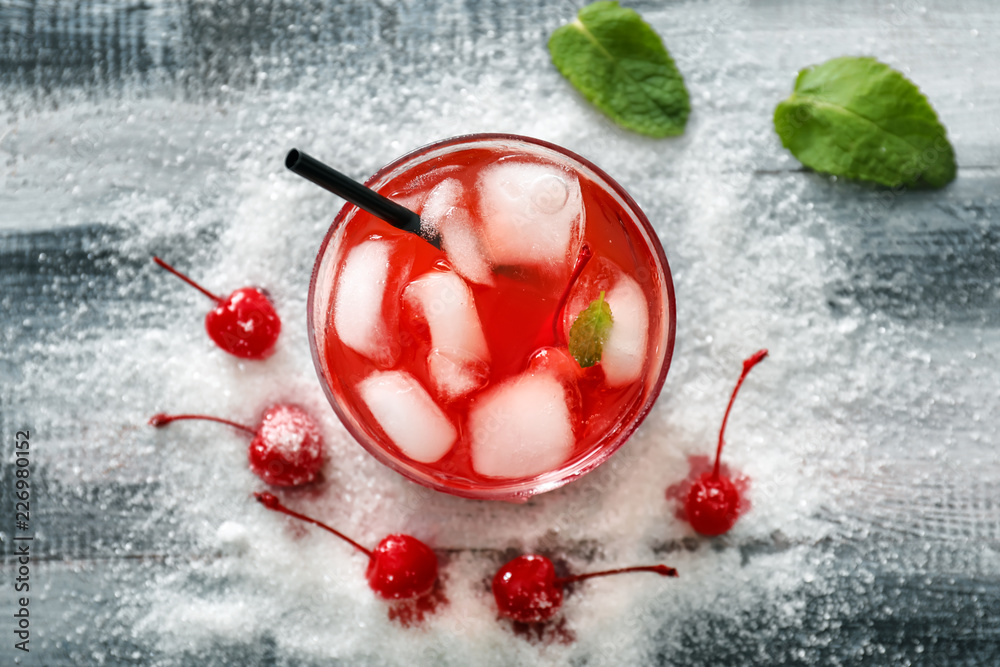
point(286, 450)
point(244, 324)
point(713, 502)
point(527, 589)
point(401, 567)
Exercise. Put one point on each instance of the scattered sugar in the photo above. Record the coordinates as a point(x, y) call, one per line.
point(233, 537)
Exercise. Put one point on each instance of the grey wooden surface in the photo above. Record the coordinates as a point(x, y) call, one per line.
point(889, 416)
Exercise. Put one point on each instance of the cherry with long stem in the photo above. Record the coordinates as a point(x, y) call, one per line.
point(662, 570)
point(162, 419)
point(401, 567)
point(527, 589)
point(748, 364)
point(189, 281)
point(286, 449)
point(713, 502)
point(245, 324)
point(271, 502)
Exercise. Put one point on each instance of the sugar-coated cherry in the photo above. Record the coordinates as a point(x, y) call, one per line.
point(244, 324)
point(401, 566)
point(713, 502)
point(527, 589)
point(286, 449)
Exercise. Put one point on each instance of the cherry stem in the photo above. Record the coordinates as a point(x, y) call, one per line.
point(271, 502)
point(164, 419)
point(748, 363)
point(581, 263)
point(190, 282)
point(662, 570)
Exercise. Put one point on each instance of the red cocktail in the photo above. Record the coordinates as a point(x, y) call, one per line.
point(452, 366)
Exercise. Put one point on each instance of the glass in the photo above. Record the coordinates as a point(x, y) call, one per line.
point(614, 227)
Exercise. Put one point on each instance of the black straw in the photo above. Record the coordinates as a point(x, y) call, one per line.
point(364, 198)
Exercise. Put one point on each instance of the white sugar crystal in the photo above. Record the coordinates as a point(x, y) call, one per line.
point(532, 214)
point(358, 314)
point(522, 428)
point(232, 537)
point(408, 415)
point(442, 214)
point(625, 350)
point(459, 358)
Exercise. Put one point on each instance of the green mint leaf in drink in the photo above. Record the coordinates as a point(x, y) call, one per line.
point(859, 118)
point(619, 63)
point(590, 331)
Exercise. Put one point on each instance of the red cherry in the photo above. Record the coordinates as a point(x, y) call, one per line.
point(245, 324)
point(713, 503)
point(286, 450)
point(527, 589)
point(401, 567)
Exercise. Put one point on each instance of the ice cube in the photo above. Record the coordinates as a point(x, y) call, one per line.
point(408, 415)
point(521, 428)
point(458, 362)
point(416, 192)
point(444, 215)
point(456, 373)
point(532, 215)
point(558, 362)
point(373, 269)
point(625, 350)
point(440, 203)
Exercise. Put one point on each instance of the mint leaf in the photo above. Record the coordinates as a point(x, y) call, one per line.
point(620, 64)
point(590, 332)
point(860, 118)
